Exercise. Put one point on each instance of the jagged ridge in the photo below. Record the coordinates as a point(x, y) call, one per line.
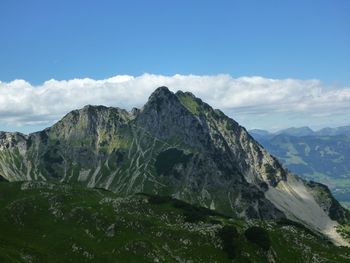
point(175, 145)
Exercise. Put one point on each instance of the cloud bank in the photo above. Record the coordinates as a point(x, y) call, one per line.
point(244, 99)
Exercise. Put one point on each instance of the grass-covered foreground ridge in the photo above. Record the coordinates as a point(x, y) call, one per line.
point(50, 222)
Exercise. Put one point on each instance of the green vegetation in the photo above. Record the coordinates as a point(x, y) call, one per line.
point(190, 103)
point(51, 222)
point(270, 171)
point(344, 231)
point(258, 236)
point(109, 142)
point(167, 159)
point(191, 213)
point(2, 179)
point(47, 222)
point(229, 238)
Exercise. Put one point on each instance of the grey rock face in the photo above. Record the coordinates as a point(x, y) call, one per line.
point(175, 145)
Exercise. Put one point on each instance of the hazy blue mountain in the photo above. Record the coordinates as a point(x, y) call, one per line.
point(259, 134)
point(344, 130)
point(302, 131)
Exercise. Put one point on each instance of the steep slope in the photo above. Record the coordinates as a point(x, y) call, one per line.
point(53, 222)
point(175, 145)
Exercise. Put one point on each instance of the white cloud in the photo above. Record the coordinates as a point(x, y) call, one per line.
point(23, 104)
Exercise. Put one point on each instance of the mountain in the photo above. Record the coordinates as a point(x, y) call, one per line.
point(178, 146)
point(59, 222)
point(302, 131)
point(259, 134)
point(323, 156)
point(343, 130)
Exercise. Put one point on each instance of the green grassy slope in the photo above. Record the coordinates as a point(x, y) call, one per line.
point(49, 222)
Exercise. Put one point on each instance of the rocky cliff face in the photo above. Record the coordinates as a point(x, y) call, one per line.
point(175, 145)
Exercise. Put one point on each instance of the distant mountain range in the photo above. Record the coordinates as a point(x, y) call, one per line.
point(303, 131)
point(322, 156)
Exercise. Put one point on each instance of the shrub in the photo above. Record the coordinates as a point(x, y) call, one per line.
point(2, 179)
point(167, 159)
point(258, 236)
point(229, 237)
point(191, 213)
point(194, 215)
point(158, 199)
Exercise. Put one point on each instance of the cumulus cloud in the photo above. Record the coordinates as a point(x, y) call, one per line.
point(23, 104)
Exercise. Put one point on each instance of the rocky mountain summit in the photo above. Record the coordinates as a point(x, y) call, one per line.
point(176, 145)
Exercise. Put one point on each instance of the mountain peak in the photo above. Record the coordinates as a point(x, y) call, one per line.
point(176, 145)
point(159, 98)
point(162, 91)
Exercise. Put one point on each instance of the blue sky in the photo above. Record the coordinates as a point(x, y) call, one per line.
point(65, 40)
point(299, 39)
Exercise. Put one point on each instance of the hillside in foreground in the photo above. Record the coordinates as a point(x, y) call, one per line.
point(52, 222)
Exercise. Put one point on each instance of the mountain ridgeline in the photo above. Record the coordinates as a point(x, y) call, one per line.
point(178, 146)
